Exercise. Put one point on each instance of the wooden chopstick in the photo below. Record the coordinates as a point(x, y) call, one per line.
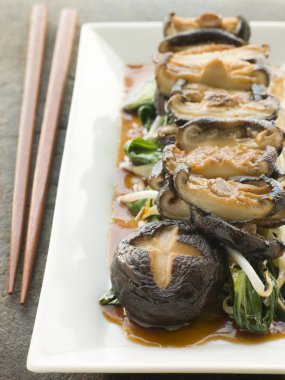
point(36, 44)
point(60, 63)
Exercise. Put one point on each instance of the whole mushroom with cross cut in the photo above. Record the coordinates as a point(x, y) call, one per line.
point(164, 274)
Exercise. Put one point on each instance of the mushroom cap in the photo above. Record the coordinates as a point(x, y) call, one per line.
point(164, 273)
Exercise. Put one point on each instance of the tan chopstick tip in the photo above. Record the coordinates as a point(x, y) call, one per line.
point(34, 63)
point(60, 63)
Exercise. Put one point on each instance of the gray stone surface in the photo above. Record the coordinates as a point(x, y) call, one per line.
point(16, 322)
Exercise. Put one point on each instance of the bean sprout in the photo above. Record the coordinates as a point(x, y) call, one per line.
point(138, 195)
point(256, 282)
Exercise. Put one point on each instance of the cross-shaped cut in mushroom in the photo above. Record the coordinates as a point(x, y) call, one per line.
point(163, 247)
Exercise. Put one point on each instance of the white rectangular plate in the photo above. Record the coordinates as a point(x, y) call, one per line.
point(70, 332)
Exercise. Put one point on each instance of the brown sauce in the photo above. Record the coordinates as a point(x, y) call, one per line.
point(213, 323)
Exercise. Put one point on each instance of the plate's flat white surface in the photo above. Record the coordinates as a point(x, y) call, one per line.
point(70, 333)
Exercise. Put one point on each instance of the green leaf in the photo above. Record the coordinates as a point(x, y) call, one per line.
point(142, 152)
point(147, 114)
point(135, 207)
point(109, 298)
point(142, 95)
point(250, 312)
point(140, 145)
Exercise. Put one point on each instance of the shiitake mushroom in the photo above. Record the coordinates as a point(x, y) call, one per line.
point(157, 175)
point(192, 100)
point(183, 40)
point(209, 131)
point(169, 204)
point(237, 26)
point(236, 199)
point(225, 162)
point(253, 245)
point(164, 274)
point(216, 68)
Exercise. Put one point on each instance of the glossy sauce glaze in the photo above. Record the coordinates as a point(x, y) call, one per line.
point(213, 323)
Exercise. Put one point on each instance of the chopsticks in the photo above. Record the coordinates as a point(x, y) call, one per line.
point(59, 69)
point(36, 44)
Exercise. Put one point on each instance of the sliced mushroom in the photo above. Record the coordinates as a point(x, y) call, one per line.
point(235, 25)
point(169, 204)
point(159, 103)
point(164, 274)
point(251, 133)
point(167, 134)
point(184, 40)
point(195, 102)
point(197, 55)
point(226, 69)
point(253, 246)
point(198, 50)
point(238, 199)
point(157, 175)
point(224, 162)
point(273, 221)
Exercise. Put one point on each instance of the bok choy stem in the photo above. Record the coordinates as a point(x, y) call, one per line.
point(132, 197)
point(141, 95)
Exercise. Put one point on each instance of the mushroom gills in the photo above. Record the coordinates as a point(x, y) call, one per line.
point(224, 162)
point(239, 199)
